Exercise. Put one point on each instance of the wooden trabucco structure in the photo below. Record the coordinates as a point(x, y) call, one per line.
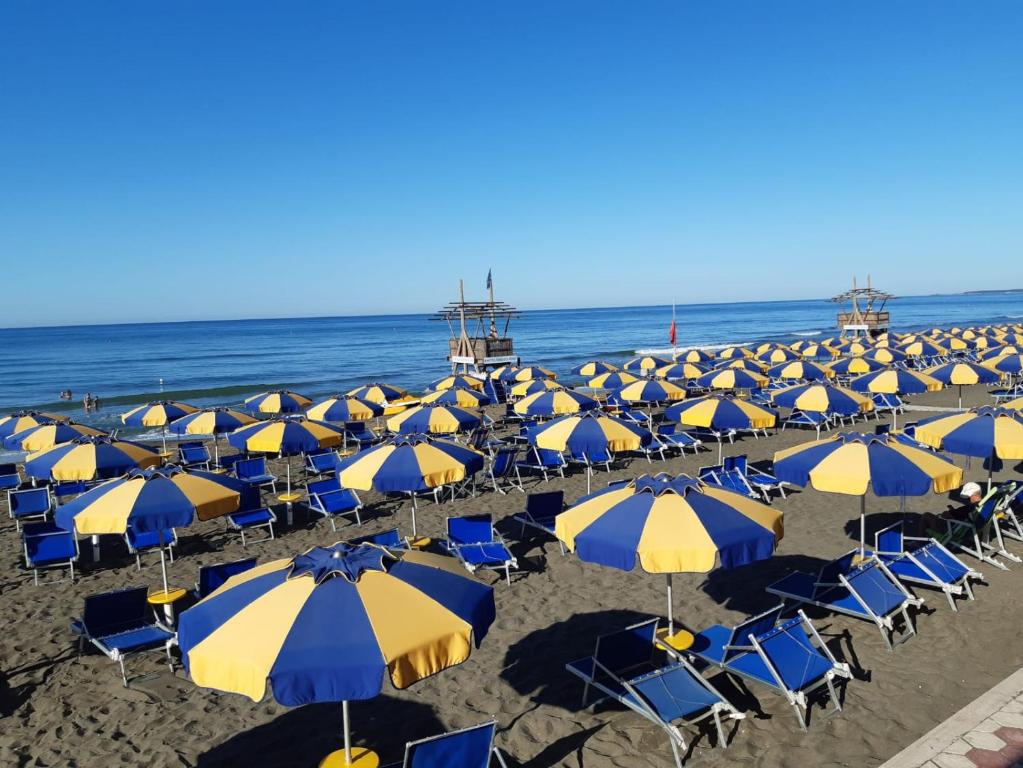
point(867, 316)
point(477, 343)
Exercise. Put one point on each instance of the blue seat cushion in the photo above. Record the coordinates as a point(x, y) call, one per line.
point(798, 584)
point(876, 590)
point(710, 643)
point(797, 661)
point(136, 639)
point(674, 693)
point(493, 553)
point(252, 517)
point(50, 548)
point(941, 563)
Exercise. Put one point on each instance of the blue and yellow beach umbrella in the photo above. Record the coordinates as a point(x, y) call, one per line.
point(734, 353)
point(721, 412)
point(823, 398)
point(277, 402)
point(895, 382)
point(409, 464)
point(531, 372)
point(344, 408)
point(852, 463)
point(646, 364)
point(694, 356)
point(732, 378)
point(1007, 363)
point(210, 421)
point(853, 347)
point(156, 414)
point(464, 398)
point(1001, 351)
point(504, 372)
point(590, 434)
point(980, 432)
point(332, 624)
point(19, 422)
point(381, 394)
point(533, 386)
point(554, 403)
point(964, 373)
point(923, 347)
point(777, 354)
point(884, 356)
point(681, 371)
point(649, 391)
point(815, 351)
point(48, 435)
point(458, 380)
point(669, 525)
point(855, 366)
point(742, 364)
point(433, 419)
point(592, 368)
point(613, 380)
point(286, 437)
point(801, 370)
point(90, 458)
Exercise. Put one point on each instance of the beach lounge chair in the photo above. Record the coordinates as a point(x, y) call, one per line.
point(886, 403)
point(788, 656)
point(495, 390)
point(253, 519)
point(730, 478)
point(1005, 517)
point(321, 463)
point(589, 460)
point(253, 471)
point(623, 669)
point(139, 543)
point(867, 591)
point(391, 538)
point(69, 489)
point(670, 437)
point(540, 513)
point(923, 561)
point(9, 478)
point(194, 454)
point(473, 540)
point(229, 461)
point(503, 470)
point(708, 434)
point(812, 419)
point(359, 433)
point(543, 461)
point(212, 577)
point(121, 624)
point(46, 545)
point(465, 748)
point(29, 504)
point(757, 475)
point(980, 536)
point(329, 499)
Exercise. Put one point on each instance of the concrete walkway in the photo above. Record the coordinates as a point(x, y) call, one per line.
point(987, 733)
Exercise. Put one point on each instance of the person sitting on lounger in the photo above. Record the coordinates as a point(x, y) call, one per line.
point(973, 494)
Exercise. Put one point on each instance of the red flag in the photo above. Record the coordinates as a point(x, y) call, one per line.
point(671, 332)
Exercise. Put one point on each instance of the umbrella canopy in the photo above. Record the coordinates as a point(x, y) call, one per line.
point(90, 458)
point(852, 463)
point(694, 356)
point(592, 368)
point(277, 402)
point(48, 435)
point(465, 398)
point(732, 378)
point(981, 432)
point(649, 391)
point(286, 437)
point(1007, 363)
point(895, 382)
point(532, 386)
point(405, 616)
point(734, 353)
point(530, 372)
point(1002, 351)
point(852, 347)
point(590, 434)
point(681, 371)
point(777, 355)
point(210, 421)
point(802, 370)
point(504, 372)
point(669, 525)
point(554, 403)
point(823, 398)
point(885, 356)
point(923, 348)
point(434, 419)
point(814, 351)
point(721, 412)
point(855, 365)
point(646, 364)
point(381, 394)
point(156, 414)
point(150, 500)
point(962, 373)
point(458, 380)
point(344, 408)
point(743, 364)
point(18, 422)
point(614, 380)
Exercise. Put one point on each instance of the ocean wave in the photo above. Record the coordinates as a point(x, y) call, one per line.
point(807, 333)
point(684, 347)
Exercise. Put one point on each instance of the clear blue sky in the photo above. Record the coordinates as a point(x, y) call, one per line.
point(185, 160)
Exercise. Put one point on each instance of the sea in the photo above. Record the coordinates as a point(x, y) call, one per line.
point(224, 361)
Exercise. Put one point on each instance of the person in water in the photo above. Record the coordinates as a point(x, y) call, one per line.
point(87, 402)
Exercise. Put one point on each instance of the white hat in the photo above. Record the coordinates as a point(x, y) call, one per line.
point(968, 490)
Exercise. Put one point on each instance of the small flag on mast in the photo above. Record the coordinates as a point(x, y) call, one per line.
point(490, 279)
point(671, 328)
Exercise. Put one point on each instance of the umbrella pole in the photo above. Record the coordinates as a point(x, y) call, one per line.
point(163, 434)
point(216, 450)
point(163, 564)
point(720, 449)
point(288, 465)
point(671, 618)
point(348, 736)
point(589, 474)
point(990, 470)
point(960, 397)
point(863, 524)
point(414, 534)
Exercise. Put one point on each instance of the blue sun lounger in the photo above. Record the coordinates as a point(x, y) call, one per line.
point(212, 577)
point(787, 656)
point(121, 624)
point(540, 513)
point(329, 499)
point(867, 591)
point(622, 668)
point(466, 748)
point(926, 562)
point(473, 540)
point(47, 545)
point(391, 538)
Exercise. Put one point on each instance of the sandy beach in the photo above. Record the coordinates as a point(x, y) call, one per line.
point(57, 709)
